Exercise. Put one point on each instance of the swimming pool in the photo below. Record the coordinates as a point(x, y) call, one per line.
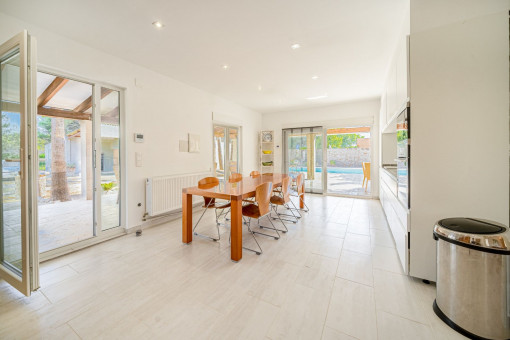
point(331, 170)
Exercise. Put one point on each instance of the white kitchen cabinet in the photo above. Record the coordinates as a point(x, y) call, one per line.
point(391, 93)
point(402, 71)
point(395, 98)
point(398, 224)
point(455, 75)
point(396, 91)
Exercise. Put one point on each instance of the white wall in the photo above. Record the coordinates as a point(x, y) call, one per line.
point(164, 109)
point(341, 115)
point(459, 120)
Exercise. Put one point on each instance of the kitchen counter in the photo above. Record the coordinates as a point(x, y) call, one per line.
point(391, 171)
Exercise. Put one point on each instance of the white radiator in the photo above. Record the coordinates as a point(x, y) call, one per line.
point(163, 194)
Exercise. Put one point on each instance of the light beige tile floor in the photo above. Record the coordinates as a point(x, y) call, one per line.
point(324, 279)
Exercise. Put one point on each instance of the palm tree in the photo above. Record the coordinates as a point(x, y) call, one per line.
point(59, 186)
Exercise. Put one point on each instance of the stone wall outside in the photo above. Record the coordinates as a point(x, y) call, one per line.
point(343, 158)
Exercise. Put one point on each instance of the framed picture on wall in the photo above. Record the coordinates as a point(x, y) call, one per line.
point(193, 143)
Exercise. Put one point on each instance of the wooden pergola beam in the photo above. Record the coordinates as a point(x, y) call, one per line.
point(348, 130)
point(10, 107)
point(51, 112)
point(110, 120)
point(87, 103)
point(51, 91)
point(114, 113)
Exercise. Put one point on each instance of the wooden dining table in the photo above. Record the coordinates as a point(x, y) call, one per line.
point(234, 192)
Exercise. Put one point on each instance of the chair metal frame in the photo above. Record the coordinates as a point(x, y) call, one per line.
point(210, 182)
point(299, 186)
point(259, 191)
point(284, 194)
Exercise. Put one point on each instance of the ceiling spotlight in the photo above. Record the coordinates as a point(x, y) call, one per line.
point(315, 77)
point(157, 24)
point(318, 97)
point(225, 66)
point(295, 46)
point(259, 88)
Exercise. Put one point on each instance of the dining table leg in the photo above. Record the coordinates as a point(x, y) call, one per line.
point(236, 229)
point(187, 216)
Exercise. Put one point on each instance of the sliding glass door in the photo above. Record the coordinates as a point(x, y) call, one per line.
point(110, 158)
point(65, 154)
point(333, 160)
point(348, 159)
point(302, 154)
point(78, 142)
point(61, 177)
point(226, 151)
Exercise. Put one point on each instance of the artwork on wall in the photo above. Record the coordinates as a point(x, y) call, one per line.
point(183, 145)
point(193, 143)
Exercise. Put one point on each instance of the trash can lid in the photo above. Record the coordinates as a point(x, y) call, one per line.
point(471, 226)
point(483, 235)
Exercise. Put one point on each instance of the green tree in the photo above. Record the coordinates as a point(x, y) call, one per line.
point(10, 139)
point(343, 141)
point(72, 125)
point(43, 132)
point(401, 135)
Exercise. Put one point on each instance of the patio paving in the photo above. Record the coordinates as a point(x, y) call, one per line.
point(347, 184)
point(341, 184)
point(60, 223)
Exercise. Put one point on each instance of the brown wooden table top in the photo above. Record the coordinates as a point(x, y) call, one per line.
point(240, 190)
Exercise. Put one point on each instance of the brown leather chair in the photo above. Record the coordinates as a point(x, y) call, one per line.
point(283, 199)
point(299, 192)
point(235, 177)
point(258, 210)
point(211, 203)
point(366, 174)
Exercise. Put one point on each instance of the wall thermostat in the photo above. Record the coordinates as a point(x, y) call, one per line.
point(138, 137)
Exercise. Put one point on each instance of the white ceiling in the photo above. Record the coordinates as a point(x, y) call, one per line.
point(347, 43)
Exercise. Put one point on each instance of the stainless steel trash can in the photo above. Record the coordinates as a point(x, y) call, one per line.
point(473, 270)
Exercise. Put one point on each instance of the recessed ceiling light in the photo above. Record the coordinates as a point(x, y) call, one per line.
point(225, 66)
point(158, 24)
point(318, 97)
point(315, 77)
point(295, 46)
point(259, 88)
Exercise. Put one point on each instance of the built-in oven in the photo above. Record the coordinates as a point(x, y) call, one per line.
point(403, 156)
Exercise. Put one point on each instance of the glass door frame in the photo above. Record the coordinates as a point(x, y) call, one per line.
point(27, 279)
point(325, 159)
point(285, 165)
point(226, 155)
point(99, 235)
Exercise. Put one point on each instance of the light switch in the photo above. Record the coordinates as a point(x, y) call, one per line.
point(138, 159)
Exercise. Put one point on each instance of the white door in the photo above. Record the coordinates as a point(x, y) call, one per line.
point(19, 262)
point(226, 151)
